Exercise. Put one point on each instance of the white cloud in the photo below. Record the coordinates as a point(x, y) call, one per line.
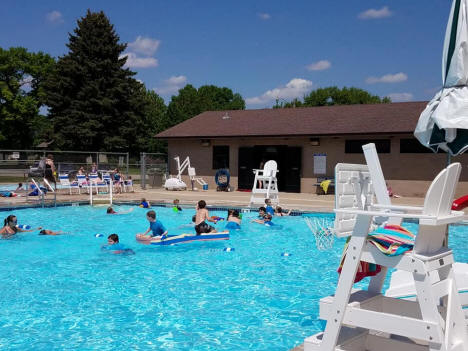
point(319, 65)
point(172, 85)
point(388, 78)
point(400, 97)
point(54, 17)
point(264, 16)
point(144, 46)
point(373, 13)
point(133, 61)
point(296, 88)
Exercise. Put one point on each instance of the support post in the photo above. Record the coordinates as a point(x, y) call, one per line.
point(143, 170)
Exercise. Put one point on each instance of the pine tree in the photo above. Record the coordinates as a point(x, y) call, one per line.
point(95, 104)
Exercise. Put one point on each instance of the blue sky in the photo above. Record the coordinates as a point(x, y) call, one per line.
point(261, 49)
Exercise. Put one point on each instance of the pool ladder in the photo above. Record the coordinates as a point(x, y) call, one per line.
point(41, 199)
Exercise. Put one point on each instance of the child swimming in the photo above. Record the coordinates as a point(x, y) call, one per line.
point(144, 203)
point(115, 246)
point(176, 207)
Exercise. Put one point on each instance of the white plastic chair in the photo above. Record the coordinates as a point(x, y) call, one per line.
point(65, 182)
point(269, 189)
point(97, 183)
point(82, 182)
point(366, 318)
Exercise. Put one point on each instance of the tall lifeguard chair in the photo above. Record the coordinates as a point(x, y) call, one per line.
point(366, 320)
point(269, 188)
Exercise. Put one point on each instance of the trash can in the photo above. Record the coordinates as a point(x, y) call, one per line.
point(156, 178)
point(205, 186)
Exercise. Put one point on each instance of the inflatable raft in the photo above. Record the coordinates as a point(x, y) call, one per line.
point(186, 238)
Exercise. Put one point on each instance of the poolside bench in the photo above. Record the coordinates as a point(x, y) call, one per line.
point(331, 187)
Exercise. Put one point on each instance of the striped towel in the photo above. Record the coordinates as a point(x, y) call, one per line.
point(391, 240)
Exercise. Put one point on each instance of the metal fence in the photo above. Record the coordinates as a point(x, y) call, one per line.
point(20, 162)
point(153, 168)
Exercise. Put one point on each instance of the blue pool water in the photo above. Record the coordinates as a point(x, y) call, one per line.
point(64, 293)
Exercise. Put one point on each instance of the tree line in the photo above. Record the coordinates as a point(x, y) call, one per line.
point(88, 100)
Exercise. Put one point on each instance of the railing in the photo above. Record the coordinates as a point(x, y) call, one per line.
point(40, 193)
point(91, 198)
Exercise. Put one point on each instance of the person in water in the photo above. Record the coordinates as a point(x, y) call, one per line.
point(156, 228)
point(114, 245)
point(233, 219)
point(50, 232)
point(279, 212)
point(268, 208)
point(10, 227)
point(144, 203)
point(176, 207)
point(201, 217)
point(110, 210)
point(266, 220)
point(261, 212)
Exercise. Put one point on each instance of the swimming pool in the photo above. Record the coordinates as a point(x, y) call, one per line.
point(63, 293)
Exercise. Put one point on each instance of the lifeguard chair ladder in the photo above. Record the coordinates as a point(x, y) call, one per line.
point(365, 320)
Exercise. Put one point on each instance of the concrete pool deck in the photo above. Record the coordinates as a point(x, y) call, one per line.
point(296, 201)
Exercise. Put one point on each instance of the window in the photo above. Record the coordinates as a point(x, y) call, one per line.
point(220, 157)
point(413, 146)
point(355, 146)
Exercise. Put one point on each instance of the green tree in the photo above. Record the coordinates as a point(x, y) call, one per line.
point(21, 95)
point(95, 103)
point(335, 96)
point(191, 102)
point(156, 120)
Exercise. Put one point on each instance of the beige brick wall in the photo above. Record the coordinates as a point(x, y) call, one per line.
point(408, 174)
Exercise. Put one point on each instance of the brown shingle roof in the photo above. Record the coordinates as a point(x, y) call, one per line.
point(325, 120)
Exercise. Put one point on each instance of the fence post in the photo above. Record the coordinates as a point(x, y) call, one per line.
point(128, 160)
point(143, 170)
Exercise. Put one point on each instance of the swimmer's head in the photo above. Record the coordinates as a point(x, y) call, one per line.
point(151, 215)
point(279, 209)
point(267, 217)
point(194, 218)
point(261, 211)
point(11, 221)
point(143, 200)
point(267, 202)
point(113, 239)
point(235, 213)
point(175, 202)
point(110, 210)
point(201, 204)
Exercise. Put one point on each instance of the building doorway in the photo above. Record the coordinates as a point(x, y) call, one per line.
point(289, 161)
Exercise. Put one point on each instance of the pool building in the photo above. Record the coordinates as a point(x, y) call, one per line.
point(307, 143)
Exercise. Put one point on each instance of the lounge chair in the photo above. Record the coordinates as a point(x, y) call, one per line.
point(65, 182)
point(367, 320)
point(269, 189)
point(82, 182)
point(96, 182)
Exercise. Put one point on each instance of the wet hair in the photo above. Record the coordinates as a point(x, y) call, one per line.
point(42, 232)
point(201, 204)
point(114, 238)
point(262, 209)
point(143, 199)
point(176, 201)
point(267, 201)
point(8, 220)
point(279, 209)
point(194, 218)
point(230, 212)
point(110, 210)
point(235, 213)
point(151, 214)
point(20, 185)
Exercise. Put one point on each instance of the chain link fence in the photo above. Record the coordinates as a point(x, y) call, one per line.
point(153, 167)
point(26, 163)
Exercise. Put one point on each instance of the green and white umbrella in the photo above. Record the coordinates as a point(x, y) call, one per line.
point(444, 122)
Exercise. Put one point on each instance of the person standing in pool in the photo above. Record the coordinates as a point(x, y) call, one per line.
point(156, 228)
point(202, 215)
point(269, 209)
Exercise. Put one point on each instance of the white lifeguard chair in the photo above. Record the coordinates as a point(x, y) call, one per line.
point(366, 320)
point(269, 189)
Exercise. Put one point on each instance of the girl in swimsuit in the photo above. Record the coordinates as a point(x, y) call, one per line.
point(10, 227)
